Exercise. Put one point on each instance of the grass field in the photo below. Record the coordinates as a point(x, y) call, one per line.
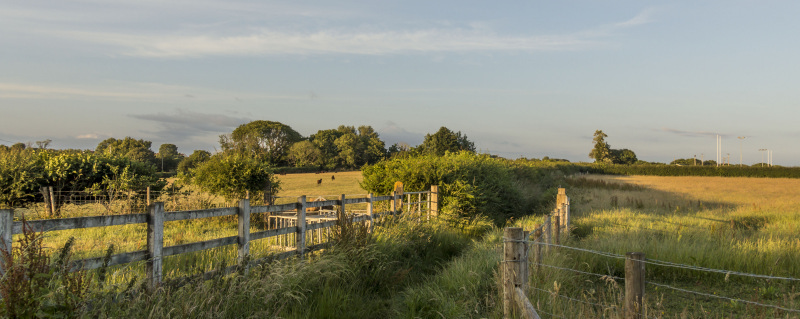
point(739, 224)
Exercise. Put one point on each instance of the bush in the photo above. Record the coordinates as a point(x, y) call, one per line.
point(233, 175)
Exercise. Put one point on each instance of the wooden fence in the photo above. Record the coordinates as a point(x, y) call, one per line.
point(156, 217)
point(516, 263)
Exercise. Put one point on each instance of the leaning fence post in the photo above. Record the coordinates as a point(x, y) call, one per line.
point(301, 226)
point(434, 200)
point(548, 233)
point(155, 244)
point(513, 262)
point(634, 285)
point(244, 231)
point(6, 231)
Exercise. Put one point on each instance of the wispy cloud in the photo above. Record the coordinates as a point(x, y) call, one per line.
point(691, 133)
point(182, 125)
point(130, 91)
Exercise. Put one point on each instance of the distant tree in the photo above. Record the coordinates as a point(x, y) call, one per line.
point(133, 149)
point(373, 147)
point(305, 154)
point(601, 153)
point(623, 156)
point(43, 144)
point(325, 141)
point(401, 150)
point(264, 140)
point(445, 140)
point(192, 161)
point(18, 146)
point(169, 157)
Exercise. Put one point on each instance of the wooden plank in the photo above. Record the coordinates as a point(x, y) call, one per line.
point(356, 200)
point(414, 193)
point(118, 259)
point(195, 214)
point(524, 305)
point(81, 222)
point(273, 208)
point(201, 245)
point(323, 203)
point(272, 233)
point(321, 225)
point(381, 198)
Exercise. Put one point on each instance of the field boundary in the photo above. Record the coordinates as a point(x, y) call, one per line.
point(296, 212)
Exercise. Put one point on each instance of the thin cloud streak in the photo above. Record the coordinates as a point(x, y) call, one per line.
point(691, 133)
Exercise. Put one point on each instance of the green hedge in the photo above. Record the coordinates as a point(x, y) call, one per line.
point(674, 170)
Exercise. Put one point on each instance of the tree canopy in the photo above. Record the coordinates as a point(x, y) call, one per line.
point(133, 149)
point(445, 140)
point(265, 140)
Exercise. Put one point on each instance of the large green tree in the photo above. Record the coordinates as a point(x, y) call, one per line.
point(133, 149)
point(192, 161)
point(264, 140)
point(169, 157)
point(234, 175)
point(445, 140)
point(601, 153)
point(305, 154)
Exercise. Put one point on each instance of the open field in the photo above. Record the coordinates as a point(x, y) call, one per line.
point(747, 225)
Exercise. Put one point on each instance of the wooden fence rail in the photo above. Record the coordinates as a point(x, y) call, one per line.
point(294, 224)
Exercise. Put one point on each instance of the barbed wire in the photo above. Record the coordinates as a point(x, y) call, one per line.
point(672, 264)
point(601, 253)
point(723, 297)
point(580, 272)
point(573, 299)
point(721, 271)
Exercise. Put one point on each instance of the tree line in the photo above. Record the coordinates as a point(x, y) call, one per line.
point(245, 165)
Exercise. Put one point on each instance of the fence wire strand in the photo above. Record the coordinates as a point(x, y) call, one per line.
point(723, 297)
point(581, 272)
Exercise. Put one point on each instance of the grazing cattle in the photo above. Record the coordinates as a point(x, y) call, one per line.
point(333, 178)
point(319, 181)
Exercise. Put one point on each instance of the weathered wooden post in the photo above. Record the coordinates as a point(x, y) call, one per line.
point(566, 216)
point(538, 248)
point(301, 226)
point(341, 205)
point(147, 200)
point(369, 213)
point(634, 285)
point(155, 243)
point(434, 210)
point(557, 231)
point(53, 201)
point(513, 263)
point(244, 232)
point(393, 203)
point(548, 233)
point(6, 232)
point(525, 269)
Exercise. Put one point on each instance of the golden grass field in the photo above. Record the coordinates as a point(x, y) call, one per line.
point(748, 225)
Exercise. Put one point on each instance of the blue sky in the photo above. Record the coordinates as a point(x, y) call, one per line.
point(527, 78)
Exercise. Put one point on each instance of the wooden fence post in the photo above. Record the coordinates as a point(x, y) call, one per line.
point(393, 203)
point(369, 212)
point(566, 216)
point(634, 285)
point(525, 269)
point(341, 200)
point(53, 201)
point(6, 231)
point(155, 243)
point(557, 231)
point(513, 262)
point(538, 248)
point(301, 226)
point(148, 196)
point(244, 232)
point(434, 201)
point(548, 233)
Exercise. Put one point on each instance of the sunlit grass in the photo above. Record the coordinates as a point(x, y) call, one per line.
point(738, 224)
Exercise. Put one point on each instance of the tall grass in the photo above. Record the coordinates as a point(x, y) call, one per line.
point(738, 224)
